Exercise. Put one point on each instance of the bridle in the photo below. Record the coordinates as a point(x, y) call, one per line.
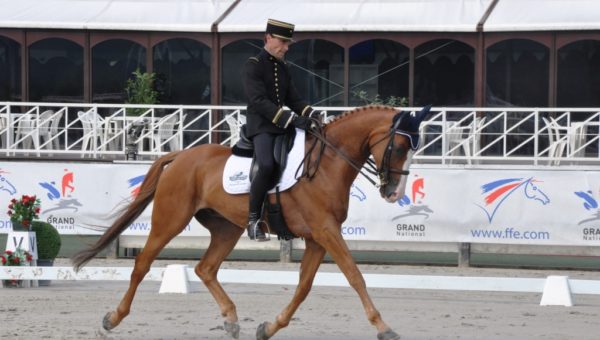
point(382, 173)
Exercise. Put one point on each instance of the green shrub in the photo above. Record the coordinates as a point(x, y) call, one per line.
point(140, 90)
point(48, 240)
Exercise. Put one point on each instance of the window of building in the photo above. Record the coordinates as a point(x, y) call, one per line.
point(378, 72)
point(182, 68)
point(317, 68)
point(113, 62)
point(10, 70)
point(444, 73)
point(517, 73)
point(56, 71)
point(234, 56)
point(579, 74)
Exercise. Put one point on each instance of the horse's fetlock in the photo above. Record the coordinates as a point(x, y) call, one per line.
point(282, 321)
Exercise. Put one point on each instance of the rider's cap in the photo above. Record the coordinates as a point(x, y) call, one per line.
point(280, 29)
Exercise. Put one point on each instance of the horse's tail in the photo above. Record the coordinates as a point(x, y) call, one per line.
point(129, 213)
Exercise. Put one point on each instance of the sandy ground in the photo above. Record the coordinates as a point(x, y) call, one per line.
point(74, 309)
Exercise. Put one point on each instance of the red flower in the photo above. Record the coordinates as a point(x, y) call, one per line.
point(25, 222)
point(3, 260)
point(14, 200)
point(37, 210)
point(29, 258)
point(9, 213)
point(17, 260)
point(9, 252)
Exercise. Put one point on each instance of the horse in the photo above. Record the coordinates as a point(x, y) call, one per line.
point(187, 183)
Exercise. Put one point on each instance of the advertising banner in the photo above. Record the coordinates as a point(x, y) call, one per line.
point(440, 205)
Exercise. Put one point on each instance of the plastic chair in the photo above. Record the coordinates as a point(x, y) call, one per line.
point(467, 137)
point(556, 144)
point(93, 130)
point(48, 128)
point(26, 132)
point(234, 127)
point(166, 130)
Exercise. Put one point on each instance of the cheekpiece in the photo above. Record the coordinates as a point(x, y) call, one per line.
point(280, 29)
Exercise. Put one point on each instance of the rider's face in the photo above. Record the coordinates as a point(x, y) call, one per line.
point(277, 47)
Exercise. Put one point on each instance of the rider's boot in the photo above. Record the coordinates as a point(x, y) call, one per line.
point(254, 231)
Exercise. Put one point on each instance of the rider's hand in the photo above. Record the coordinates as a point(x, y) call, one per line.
point(302, 122)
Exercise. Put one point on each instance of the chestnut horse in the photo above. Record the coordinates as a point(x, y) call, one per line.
point(315, 207)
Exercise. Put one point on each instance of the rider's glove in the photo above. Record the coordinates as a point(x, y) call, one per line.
point(302, 122)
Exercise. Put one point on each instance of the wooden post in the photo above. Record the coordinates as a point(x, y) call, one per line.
point(285, 251)
point(464, 255)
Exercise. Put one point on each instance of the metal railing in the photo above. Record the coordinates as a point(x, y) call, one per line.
point(449, 136)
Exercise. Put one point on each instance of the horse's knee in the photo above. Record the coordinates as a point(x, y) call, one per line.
point(205, 273)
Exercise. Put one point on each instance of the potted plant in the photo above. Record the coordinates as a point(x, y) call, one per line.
point(23, 211)
point(140, 90)
point(19, 257)
point(48, 245)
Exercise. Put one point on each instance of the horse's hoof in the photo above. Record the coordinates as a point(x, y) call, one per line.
point(261, 332)
point(388, 335)
point(106, 324)
point(232, 328)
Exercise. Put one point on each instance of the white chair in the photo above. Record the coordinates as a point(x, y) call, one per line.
point(556, 143)
point(234, 127)
point(26, 132)
point(166, 130)
point(93, 130)
point(48, 128)
point(468, 137)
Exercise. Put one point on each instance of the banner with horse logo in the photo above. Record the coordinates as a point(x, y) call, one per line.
point(439, 205)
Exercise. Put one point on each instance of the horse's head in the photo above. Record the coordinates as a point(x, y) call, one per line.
point(534, 192)
point(393, 146)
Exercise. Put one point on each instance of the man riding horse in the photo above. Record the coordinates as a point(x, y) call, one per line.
point(269, 87)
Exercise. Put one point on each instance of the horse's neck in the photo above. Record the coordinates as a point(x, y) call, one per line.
point(351, 134)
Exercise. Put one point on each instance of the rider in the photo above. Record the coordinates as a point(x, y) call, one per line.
point(269, 87)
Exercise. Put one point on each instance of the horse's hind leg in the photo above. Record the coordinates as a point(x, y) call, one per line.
point(164, 228)
point(331, 239)
point(223, 237)
point(313, 256)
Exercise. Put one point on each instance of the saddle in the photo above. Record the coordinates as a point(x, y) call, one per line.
point(283, 144)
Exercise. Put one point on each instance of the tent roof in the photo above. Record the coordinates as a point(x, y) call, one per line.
point(358, 15)
point(544, 15)
point(138, 15)
point(307, 15)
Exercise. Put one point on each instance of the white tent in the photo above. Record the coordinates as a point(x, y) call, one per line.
point(137, 15)
point(358, 15)
point(544, 15)
point(308, 15)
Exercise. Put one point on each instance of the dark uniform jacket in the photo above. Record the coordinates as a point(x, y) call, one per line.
point(269, 88)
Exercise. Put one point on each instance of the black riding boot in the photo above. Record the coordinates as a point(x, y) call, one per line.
point(254, 231)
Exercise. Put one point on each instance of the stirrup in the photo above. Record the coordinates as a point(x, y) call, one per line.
point(262, 237)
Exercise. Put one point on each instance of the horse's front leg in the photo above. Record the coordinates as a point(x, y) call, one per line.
point(223, 237)
point(331, 239)
point(313, 256)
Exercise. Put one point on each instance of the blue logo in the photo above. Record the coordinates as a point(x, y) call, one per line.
point(590, 204)
point(5, 184)
point(496, 192)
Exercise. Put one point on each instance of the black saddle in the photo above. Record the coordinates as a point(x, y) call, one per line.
point(283, 144)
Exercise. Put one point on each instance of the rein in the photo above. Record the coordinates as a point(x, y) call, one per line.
point(370, 167)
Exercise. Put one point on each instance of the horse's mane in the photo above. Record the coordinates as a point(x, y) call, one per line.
point(361, 109)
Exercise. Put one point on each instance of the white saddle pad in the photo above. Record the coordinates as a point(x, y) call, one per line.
point(236, 175)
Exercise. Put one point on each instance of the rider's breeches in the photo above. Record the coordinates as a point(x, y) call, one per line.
point(263, 148)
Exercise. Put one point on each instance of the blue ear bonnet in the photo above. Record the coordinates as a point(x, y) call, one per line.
point(408, 125)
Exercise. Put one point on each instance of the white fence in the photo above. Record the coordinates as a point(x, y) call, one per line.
point(471, 136)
